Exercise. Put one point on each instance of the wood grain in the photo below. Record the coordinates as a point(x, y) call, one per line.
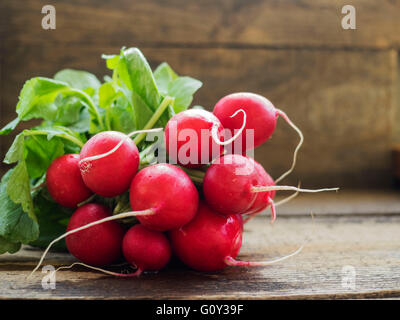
point(341, 99)
point(310, 23)
point(370, 245)
point(345, 202)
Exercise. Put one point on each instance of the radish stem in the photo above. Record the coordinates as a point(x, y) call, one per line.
point(89, 102)
point(66, 136)
point(160, 110)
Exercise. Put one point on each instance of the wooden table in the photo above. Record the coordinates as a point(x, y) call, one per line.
point(353, 234)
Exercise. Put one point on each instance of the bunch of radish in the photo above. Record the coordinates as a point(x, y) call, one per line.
point(170, 217)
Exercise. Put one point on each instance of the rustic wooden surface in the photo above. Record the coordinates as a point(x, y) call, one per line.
point(314, 23)
point(334, 239)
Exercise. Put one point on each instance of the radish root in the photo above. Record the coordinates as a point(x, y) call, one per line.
point(288, 188)
point(284, 116)
point(214, 130)
point(287, 199)
point(147, 212)
point(86, 161)
point(235, 263)
point(273, 206)
point(273, 212)
point(137, 273)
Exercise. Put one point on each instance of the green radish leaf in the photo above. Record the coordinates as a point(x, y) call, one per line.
point(122, 116)
point(142, 112)
point(15, 224)
point(78, 79)
point(135, 72)
point(19, 189)
point(107, 94)
point(35, 150)
point(51, 217)
point(16, 151)
point(40, 152)
point(183, 89)
point(59, 131)
point(68, 110)
point(9, 127)
point(111, 60)
point(56, 101)
point(82, 125)
point(164, 75)
point(8, 246)
point(36, 99)
point(134, 78)
point(119, 113)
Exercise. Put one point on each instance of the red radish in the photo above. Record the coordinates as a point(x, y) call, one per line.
point(162, 191)
point(261, 117)
point(169, 192)
point(143, 248)
point(146, 249)
point(232, 182)
point(99, 245)
point(193, 137)
point(183, 138)
point(226, 191)
point(205, 242)
point(106, 172)
point(64, 181)
point(263, 199)
point(211, 241)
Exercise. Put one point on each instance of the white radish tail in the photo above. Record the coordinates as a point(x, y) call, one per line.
point(137, 273)
point(273, 206)
point(284, 116)
point(236, 263)
point(287, 199)
point(214, 130)
point(271, 203)
point(288, 188)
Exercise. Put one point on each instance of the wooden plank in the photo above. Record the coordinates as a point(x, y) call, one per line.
point(312, 23)
point(369, 245)
point(396, 115)
point(358, 203)
point(342, 100)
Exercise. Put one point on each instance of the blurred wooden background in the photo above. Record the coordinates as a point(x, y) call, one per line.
point(340, 86)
